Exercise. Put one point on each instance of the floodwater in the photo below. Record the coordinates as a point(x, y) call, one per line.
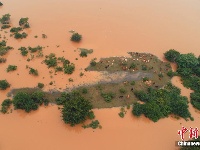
point(111, 28)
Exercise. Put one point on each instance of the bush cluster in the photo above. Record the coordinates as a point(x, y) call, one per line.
point(188, 68)
point(4, 84)
point(161, 103)
point(11, 68)
point(76, 37)
point(76, 108)
point(5, 105)
point(29, 101)
point(3, 48)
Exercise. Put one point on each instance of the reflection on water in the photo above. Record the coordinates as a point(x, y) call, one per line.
point(111, 28)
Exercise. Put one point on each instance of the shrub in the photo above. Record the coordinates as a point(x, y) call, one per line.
point(93, 63)
point(5, 105)
point(144, 67)
point(91, 115)
point(76, 37)
point(132, 65)
point(2, 60)
point(69, 69)
point(29, 101)
point(121, 114)
point(75, 110)
point(3, 48)
point(51, 60)
point(160, 75)
point(108, 96)
point(83, 54)
point(171, 55)
point(187, 61)
point(122, 90)
point(20, 36)
point(137, 109)
point(84, 91)
point(4, 84)
point(24, 51)
point(33, 71)
point(35, 49)
point(132, 82)
point(145, 79)
point(11, 68)
point(15, 29)
point(5, 19)
point(5, 26)
point(94, 124)
point(40, 85)
point(24, 22)
point(57, 69)
point(1, 4)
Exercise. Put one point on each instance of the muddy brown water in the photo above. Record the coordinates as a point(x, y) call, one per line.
point(111, 28)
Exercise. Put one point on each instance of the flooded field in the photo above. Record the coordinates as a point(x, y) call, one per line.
point(110, 28)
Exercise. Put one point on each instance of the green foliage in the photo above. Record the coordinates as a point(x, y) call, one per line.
point(171, 73)
point(2, 60)
point(161, 103)
point(5, 105)
point(15, 29)
point(20, 35)
point(51, 60)
point(5, 26)
point(122, 90)
point(171, 55)
point(84, 91)
point(29, 101)
point(24, 22)
point(93, 63)
point(160, 75)
point(108, 96)
point(76, 37)
point(24, 51)
point(3, 48)
point(91, 115)
point(4, 84)
point(145, 79)
point(35, 49)
point(132, 66)
point(58, 68)
point(76, 109)
point(33, 71)
point(83, 54)
point(187, 61)
point(144, 67)
point(195, 99)
point(11, 68)
point(138, 109)
point(132, 82)
point(5, 19)
point(40, 85)
point(69, 68)
point(94, 124)
point(121, 114)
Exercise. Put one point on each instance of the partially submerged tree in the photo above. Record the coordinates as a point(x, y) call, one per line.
point(76, 109)
point(4, 84)
point(76, 37)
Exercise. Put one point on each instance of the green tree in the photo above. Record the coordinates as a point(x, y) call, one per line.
point(76, 110)
point(76, 37)
point(4, 84)
point(171, 55)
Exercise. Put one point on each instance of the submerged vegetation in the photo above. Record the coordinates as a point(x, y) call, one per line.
point(188, 68)
point(52, 62)
point(5, 19)
point(11, 68)
point(76, 109)
point(160, 103)
point(29, 101)
point(5, 105)
point(76, 37)
point(4, 84)
point(33, 71)
point(3, 48)
point(23, 22)
point(85, 52)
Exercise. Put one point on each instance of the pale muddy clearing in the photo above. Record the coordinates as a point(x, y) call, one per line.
point(111, 28)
